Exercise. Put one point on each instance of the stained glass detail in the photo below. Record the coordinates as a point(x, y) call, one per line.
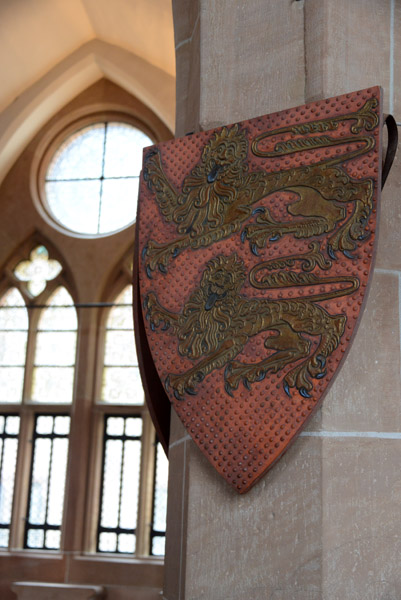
point(9, 430)
point(92, 182)
point(121, 379)
point(53, 372)
point(13, 340)
point(38, 270)
point(158, 532)
point(46, 494)
point(120, 484)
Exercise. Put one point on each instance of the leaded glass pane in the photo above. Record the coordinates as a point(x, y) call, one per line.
point(11, 384)
point(55, 348)
point(120, 317)
point(13, 340)
point(57, 479)
point(126, 543)
point(52, 385)
point(130, 484)
point(107, 542)
point(60, 314)
point(13, 314)
point(40, 480)
point(67, 199)
point(35, 538)
point(4, 537)
point(44, 424)
point(159, 503)
point(158, 545)
point(120, 349)
point(52, 539)
point(80, 156)
point(53, 373)
point(133, 426)
point(12, 425)
point(123, 153)
point(38, 270)
point(9, 429)
point(111, 483)
point(120, 484)
point(115, 426)
point(12, 348)
point(121, 379)
point(122, 385)
point(62, 425)
point(119, 203)
point(46, 494)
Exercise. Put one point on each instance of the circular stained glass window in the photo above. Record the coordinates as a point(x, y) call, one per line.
point(91, 184)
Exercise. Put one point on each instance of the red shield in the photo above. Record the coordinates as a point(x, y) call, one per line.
point(254, 252)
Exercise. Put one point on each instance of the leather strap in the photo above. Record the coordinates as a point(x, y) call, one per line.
point(392, 144)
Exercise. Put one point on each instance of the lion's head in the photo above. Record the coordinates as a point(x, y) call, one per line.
point(210, 313)
point(213, 184)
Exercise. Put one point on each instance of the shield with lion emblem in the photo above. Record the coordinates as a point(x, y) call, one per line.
point(254, 251)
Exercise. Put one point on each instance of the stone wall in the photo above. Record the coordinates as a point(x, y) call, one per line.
point(324, 523)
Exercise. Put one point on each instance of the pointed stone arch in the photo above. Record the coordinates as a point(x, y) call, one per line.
point(89, 63)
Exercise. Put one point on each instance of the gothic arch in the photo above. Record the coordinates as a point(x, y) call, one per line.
point(92, 61)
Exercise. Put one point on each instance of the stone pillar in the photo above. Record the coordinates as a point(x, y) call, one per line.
point(324, 523)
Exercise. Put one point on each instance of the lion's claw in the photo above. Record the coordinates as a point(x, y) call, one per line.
point(190, 391)
point(331, 252)
point(228, 389)
point(304, 393)
point(177, 395)
point(254, 249)
point(246, 383)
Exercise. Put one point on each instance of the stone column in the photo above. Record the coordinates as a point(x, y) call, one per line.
point(324, 523)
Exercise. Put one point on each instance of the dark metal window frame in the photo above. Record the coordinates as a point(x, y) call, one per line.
point(123, 437)
point(45, 526)
point(4, 436)
point(155, 532)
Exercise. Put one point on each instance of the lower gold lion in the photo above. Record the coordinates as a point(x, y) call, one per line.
point(216, 323)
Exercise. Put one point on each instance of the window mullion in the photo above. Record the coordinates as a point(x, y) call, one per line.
point(78, 454)
point(21, 485)
point(24, 453)
point(146, 487)
point(34, 316)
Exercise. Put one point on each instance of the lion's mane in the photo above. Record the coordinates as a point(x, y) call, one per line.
point(201, 331)
point(204, 202)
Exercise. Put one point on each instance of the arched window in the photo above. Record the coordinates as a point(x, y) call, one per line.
point(13, 341)
point(133, 473)
point(37, 366)
point(71, 403)
point(55, 350)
